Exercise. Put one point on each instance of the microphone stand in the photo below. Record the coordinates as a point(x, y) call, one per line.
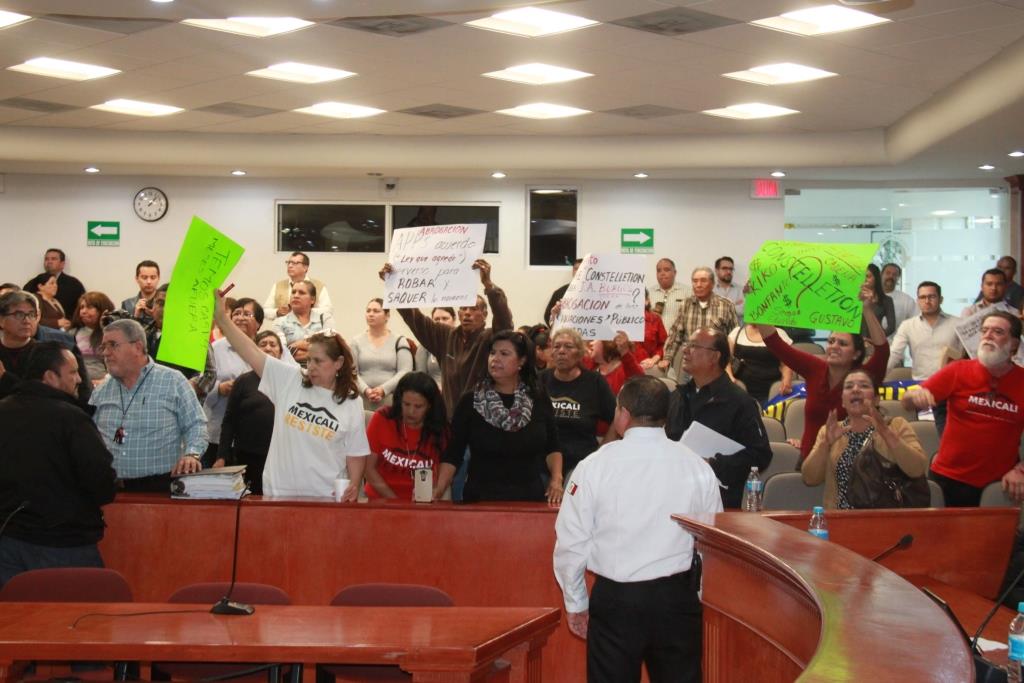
point(902, 544)
point(226, 605)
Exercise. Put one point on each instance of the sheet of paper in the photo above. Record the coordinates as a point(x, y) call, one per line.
point(432, 265)
point(206, 259)
point(969, 329)
point(706, 442)
point(986, 645)
point(605, 296)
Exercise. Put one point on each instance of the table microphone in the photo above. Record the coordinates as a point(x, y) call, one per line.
point(901, 544)
point(995, 608)
point(226, 605)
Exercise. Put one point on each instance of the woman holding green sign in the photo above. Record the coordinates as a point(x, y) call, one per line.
point(824, 376)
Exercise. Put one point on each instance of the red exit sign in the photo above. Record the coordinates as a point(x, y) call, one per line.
point(765, 188)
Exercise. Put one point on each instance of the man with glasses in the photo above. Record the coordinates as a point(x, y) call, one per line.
point(703, 309)
point(297, 264)
point(712, 399)
point(149, 416)
point(929, 337)
point(202, 382)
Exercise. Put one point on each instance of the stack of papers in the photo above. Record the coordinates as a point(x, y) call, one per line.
point(212, 484)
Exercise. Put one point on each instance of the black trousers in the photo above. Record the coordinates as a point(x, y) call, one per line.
point(957, 493)
point(657, 622)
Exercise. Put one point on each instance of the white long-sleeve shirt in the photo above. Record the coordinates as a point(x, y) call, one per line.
point(615, 515)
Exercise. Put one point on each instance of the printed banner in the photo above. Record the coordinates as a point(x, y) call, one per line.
point(206, 259)
point(969, 330)
point(432, 265)
point(804, 284)
point(606, 296)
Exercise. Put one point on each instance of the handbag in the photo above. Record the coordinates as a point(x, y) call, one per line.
point(876, 482)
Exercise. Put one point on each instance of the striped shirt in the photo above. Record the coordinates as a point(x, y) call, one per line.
point(719, 314)
point(161, 418)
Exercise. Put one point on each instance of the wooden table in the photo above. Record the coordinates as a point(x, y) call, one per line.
point(434, 644)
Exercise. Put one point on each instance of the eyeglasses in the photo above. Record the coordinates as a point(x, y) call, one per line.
point(927, 297)
point(111, 346)
point(692, 346)
point(22, 316)
point(289, 262)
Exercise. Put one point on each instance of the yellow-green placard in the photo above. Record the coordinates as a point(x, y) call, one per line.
point(805, 284)
point(206, 258)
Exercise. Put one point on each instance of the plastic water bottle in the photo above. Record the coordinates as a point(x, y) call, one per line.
point(1016, 643)
point(753, 492)
point(818, 526)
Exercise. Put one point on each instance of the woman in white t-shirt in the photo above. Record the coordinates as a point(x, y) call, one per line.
point(319, 433)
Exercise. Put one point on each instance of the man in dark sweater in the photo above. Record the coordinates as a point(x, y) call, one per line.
point(55, 472)
point(711, 399)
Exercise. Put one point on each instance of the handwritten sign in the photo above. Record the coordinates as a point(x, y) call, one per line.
point(606, 296)
point(432, 265)
point(803, 284)
point(206, 258)
point(969, 329)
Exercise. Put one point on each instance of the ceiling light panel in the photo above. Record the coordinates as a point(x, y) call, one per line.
point(11, 18)
point(297, 72)
point(340, 110)
point(537, 74)
point(816, 21)
point(60, 68)
point(137, 108)
point(750, 110)
point(543, 110)
point(256, 27)
point(780, 74)
point(532, 22)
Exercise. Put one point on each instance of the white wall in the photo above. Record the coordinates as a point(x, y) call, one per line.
point(694, 222)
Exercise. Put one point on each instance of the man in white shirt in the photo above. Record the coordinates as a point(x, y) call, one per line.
point(615, 521)
point(667, 297)
point(276, 304)
point(725, 287)
point(902, 302)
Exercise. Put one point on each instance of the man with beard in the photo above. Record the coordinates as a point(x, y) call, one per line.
point(985, 397)
point(724, 286)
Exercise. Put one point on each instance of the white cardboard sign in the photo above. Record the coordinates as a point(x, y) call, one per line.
point(606, 296)
point(432, 265)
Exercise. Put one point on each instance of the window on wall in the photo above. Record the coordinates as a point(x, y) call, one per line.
point(552, 227)
point(412, 216)
point(324, 226)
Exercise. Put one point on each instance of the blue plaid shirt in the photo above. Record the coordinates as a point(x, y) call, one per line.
point(163, 421)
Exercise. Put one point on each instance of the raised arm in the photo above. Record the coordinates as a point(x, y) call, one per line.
point(496, 299)
point(876, 335)
point(241, 343)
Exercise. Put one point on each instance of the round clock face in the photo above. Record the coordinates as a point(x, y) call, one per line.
point(150, 204)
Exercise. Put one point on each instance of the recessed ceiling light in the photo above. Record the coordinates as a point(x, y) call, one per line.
point(12, 18)
point(543, 110)
point(983, 221)
point(780, 74)
point(986, 167)
point(91, 169)
point(340, 110)
point(61, 68)
point(256, 27)
point(163, 1)
point(531, 22)
point(815, 21)
point(296, 72)
point(641, 175)
point(537, 74)
point(136, 108)
point(497, 175)
point(547, 191)
point(238, 172)
point(1015, 154)
point(778, 174)
point(943, 212)
point(750, 110)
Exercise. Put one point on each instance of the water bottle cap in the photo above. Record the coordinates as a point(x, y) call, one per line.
point(1020, 606)
point(754, 470)
point(818, 509)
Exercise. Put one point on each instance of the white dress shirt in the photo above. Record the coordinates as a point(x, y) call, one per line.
point(670, 299)
point(733, 293)
point(615, 515)
point(927, 344)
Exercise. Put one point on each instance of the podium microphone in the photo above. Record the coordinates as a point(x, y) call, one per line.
point(226, 605)
point(902, 544)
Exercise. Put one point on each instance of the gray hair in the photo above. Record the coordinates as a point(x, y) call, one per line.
point(574, 335)
point(18, 296)
point(131, 329)
point(706, 269)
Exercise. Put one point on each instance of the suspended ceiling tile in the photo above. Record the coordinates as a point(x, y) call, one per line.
point(175, 122)
point(973, 18)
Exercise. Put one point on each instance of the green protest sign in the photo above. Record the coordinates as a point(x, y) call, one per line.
point(204, 262)
point(804, 284)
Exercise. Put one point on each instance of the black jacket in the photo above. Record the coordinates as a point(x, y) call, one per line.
point(52, 458)
point(732, 412)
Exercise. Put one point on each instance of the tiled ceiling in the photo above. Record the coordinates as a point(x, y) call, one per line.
point(656, 65)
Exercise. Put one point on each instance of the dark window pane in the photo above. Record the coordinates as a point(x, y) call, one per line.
point(415, 216)
point(330, 227)
point(552, 227)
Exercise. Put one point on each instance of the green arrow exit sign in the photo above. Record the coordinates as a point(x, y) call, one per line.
point(103, 234)
point(637, 241)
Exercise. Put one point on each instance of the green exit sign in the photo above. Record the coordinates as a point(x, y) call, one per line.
point(103, 234)
point(637, 241)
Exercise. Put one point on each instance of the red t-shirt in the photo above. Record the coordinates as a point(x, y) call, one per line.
point(654, 337)
point(398, 454)
point(984, 421)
